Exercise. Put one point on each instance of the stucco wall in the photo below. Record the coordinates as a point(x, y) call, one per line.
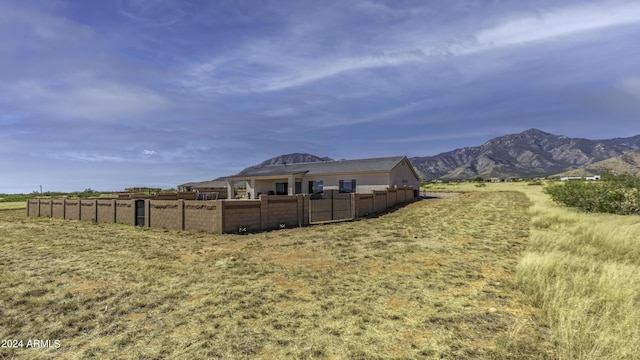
point(72, 209)
point(125, 212)
point(279, 211)
point(364, 204)
point(33, 208)
point(45, 208)
point(241, 216)
point(202, 216)
point(58, 209)
point(106, 211)
point(219, 216)
point(402, 175)
point(88, 210)
point(166, 214)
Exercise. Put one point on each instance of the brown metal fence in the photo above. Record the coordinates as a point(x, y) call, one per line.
point(329, 206)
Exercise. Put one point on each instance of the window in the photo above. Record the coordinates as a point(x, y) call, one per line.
point(347, 186)
point(298, 187)
point(281, 189)
point(316, 186)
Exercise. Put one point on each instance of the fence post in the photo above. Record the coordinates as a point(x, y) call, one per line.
point(300, 209)
point(353, 205)
point(113, 204)
point(182, 213)
point(147, 212)
point(220, 216)
point(264, 212)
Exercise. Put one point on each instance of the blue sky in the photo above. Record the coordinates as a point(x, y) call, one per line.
point(111, 94)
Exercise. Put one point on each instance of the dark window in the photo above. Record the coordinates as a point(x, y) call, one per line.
point(347, 186)
point(281, 188)
point(298, 187)
point(316, 186)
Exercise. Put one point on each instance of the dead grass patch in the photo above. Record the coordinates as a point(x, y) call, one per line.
point(407, 284)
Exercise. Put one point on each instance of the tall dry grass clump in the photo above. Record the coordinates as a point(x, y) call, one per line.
point(583, 271)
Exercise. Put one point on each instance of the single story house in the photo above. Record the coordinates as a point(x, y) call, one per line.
point(211, 186)
point(351, 176)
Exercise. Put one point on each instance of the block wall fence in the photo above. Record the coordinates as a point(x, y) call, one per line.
point(215, 216)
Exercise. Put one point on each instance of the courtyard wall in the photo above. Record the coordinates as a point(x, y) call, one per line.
point(216, 216)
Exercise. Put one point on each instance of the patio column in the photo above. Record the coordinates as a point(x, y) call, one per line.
point(291, 185)
point(230, 190)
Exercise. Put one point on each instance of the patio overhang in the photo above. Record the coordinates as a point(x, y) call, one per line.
point(251, 181)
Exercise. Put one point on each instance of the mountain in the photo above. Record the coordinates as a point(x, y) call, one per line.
point(285, 159)
point(627, 163)
point(532, 153)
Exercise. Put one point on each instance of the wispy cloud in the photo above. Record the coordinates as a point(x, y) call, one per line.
point(556, 23)
point(261, 65)
point(153, 12)
point(101, 100)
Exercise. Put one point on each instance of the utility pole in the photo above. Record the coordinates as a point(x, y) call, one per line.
point(40, 189)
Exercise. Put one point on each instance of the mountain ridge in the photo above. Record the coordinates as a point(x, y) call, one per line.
point(528, 154)
point(292, 158)
point(628, 162)
point(531, 153)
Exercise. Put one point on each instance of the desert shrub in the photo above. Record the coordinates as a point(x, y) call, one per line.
point(616, 194)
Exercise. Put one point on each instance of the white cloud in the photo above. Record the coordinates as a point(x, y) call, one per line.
point(149, 152)
point(553, 24)
point(104, 100)
point(86, 156)
point(390, 114)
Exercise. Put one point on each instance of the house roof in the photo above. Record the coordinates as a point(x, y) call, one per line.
point(206, 184)
point(327, 167)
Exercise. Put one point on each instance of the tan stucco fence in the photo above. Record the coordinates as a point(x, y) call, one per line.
point(215, 216)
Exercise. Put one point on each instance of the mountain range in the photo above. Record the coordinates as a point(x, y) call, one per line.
point(531, 153)
point(626, 163)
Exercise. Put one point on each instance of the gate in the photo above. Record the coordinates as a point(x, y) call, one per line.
point(139, 212)
point(329, 206)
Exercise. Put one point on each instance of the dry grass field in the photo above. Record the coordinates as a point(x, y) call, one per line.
point(583, 271)
point(13, 205)
point(434, 279)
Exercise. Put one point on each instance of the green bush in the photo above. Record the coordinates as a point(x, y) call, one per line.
point(617, 194)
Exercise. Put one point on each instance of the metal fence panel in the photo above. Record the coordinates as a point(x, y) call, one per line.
point(330, 206)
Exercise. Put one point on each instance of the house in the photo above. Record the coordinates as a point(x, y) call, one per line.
point(349, 176)
point(212, 185)
point(206, 187)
